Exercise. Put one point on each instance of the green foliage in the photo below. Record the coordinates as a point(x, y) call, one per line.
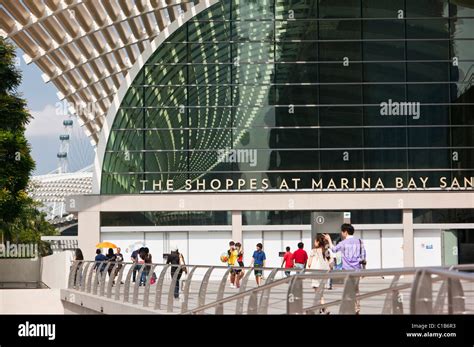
point(20, 219)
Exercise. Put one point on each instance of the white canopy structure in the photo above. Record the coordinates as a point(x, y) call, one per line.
point(86, 47)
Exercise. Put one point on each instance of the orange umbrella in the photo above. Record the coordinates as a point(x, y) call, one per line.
point(105, 245)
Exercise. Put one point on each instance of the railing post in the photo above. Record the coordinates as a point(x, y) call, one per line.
point(265, 297)
point(98, 277)
point(137, 285)
point(421, 297)
point(456, 298)
point(126, 289)
point(111, 280)
point(440, 298)
point(239, 307)
point(84, 274)
point(119, 280)
point(294, 298)
point(90, 276)
point(220, 292)
point(392, 303)
point(351, 286)
point(187, 286)
point(159, 287)
point(203, 288)
point(109, 284)
point(71, 280)
point(318, 294)
point(146, 294)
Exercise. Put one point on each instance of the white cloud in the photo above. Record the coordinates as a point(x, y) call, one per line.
point(45, 123)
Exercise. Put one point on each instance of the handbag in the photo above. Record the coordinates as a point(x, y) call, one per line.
point(362, 262)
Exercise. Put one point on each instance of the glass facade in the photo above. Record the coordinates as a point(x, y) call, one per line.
point(274, 90)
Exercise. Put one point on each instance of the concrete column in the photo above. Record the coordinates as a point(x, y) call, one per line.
point(408, 239)
point(88, 233)
point(237, 226)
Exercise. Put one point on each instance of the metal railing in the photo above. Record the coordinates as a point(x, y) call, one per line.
point(434, 290)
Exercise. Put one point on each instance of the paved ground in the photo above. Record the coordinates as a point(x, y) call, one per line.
point(277, 301)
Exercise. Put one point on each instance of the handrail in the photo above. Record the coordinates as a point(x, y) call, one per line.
point(91, 277)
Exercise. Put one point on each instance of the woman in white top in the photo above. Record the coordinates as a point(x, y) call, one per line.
point(318, 260)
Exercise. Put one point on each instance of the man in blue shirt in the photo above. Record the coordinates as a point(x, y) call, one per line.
point(258, 260)
point(98, 258)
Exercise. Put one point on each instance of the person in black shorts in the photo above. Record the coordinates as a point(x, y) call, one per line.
point(239, 273)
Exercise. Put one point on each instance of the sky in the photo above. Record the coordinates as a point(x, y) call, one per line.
point(46, 126)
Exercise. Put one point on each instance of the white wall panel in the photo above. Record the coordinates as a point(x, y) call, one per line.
point(392, 248)
point(427, 247)
point(372, 243)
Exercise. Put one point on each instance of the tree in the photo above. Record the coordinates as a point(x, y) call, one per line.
point(18, 212)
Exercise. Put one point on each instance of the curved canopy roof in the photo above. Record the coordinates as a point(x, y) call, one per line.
point(86, 47)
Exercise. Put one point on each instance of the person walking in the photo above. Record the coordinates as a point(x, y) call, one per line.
point(232, 255)
point(78, 256)
point(300, 257)
point(100, 263)
point(135, 261)
point(353, 253)
point(258, 261)
point(288, 261)
point(239, 273)
point(146, 258)
point(319, 260)
point(176, 260)
point(111, 260)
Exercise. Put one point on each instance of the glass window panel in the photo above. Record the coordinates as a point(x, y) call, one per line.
point(462, 28)
point(382, 8)
point(333, 73)
point(293, 138)
point(339, 29)
point(297, 95)
point(427, 28)
point(373, 116)
point(431, 115)
point(296, 30)
point(385, 159)
point(462, 114)
point(296, 73)
point(427, 8)
point(298, 9)
point(461, 9)
point(463, 136)
point(348, 94)
point(463, 49)
point(380, 50)
point(384, 72)
point(341, 138)
point(252, 30)
point(341, 160)
point(378, 93)
point(428, 158)
point(209, 53)
point(262, 9)
point(294, 116)
point(428, 137)
point(337, 116)
point(384, 137)
point(428, 50)
point(296, 51)
point(253, 51)
point(384, 29)
point(336, 51)
point(428, 72)
point(428, 93)
point(339, 9)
